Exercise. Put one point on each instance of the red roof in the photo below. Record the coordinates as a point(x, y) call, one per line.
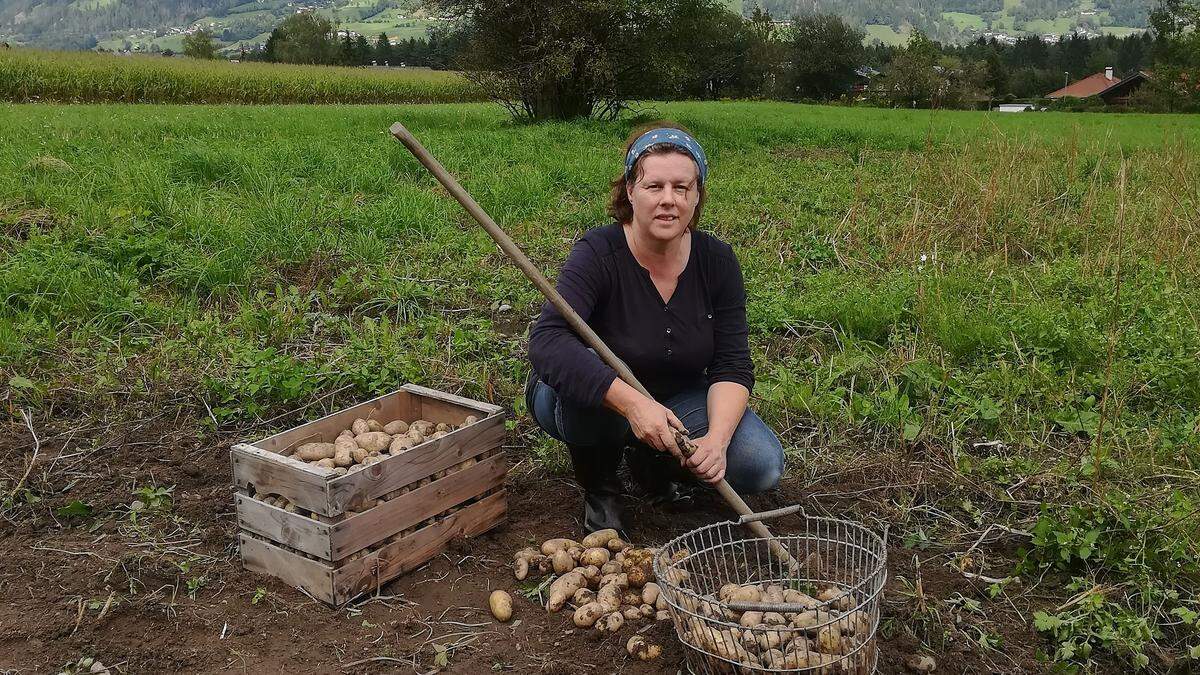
point(1088, 86)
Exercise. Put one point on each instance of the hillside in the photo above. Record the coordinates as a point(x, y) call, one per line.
point(151, 25)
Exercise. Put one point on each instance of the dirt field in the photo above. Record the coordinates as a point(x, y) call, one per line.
point(119, 590)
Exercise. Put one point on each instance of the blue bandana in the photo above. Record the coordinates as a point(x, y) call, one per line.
point(680, 139)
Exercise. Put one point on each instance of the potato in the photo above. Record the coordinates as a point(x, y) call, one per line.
point(591, 573)
point(326, 463)
point(751, 619)
point(527, 552)
point(563, 588)
point(638, 564)
point(610, 623)
point(360, 426)
point(373, 441)
point(773, 593)
point(631, 597)
point(617, 545)
point(357, 455)
point(855, 623)
point(767, 637)
point(773, 659)
point(610, 567)
point(631, 613)
point(521, 568)
point(443, 427)
point(829, 640)
point(587, 615)
point(647, 611)
point(650, 593)
point(609, 597)
point(471, 419)
point(399, 444)
point(550, 546)
point(811, 619)
point(796, 597)
point(835, 598)
point(311, 452)
point(501, 605)
point(436, 435)
point(374, 425)
point(561, 560)
point(642, 650)
point(344, 449)
point(583, 596)
point(396, 427)
point(599, 538)
point(619, 579)
point(466, 463)
point(369, 460)
point(594, 556)
point(424, 426)
point(415, 434)
point(661, 602)
point(662, 615)
point(774, 619)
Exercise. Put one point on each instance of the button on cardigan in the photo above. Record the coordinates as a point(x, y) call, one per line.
point(696, 339)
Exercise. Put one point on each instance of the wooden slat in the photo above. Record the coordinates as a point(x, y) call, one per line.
point(366, 573)
point(270, 473)
point(462, 402)
point(419, 462)
point(396, 405)
point(380, 522)
point(290, 529)
point(294, 569)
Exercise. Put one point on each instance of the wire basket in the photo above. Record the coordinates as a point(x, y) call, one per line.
point(814, 607)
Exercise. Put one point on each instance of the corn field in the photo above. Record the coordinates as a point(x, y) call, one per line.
point(34, 75)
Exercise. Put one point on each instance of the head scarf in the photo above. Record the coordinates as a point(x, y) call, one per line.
point(677, 137)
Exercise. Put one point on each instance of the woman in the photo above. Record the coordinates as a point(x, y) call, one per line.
point(668, 299)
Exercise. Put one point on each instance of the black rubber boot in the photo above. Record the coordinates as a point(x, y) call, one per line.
point(596, 471)
point(659, 475)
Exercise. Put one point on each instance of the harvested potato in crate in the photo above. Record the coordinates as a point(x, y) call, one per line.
point(350, 501)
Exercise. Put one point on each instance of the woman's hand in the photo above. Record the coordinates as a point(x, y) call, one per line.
point(654, 424)
point(708, 461)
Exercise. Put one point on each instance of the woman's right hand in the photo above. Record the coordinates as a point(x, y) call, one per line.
point(652, 422)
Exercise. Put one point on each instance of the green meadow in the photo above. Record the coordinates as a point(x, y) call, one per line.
point(1013, 296)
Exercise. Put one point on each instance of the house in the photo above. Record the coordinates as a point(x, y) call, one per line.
point(1104, 85)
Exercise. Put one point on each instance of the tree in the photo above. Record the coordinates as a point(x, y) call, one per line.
point(383, 51)
point(563, 59)
point(268, 52)
point(362, 51)
point(996, 77)
point(199, 45)
point(305, 38)
point(824, 53)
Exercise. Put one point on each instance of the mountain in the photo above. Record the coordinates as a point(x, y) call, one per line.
point(147, 25)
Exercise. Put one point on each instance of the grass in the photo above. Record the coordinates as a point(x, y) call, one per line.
point(1013, 296)
point(885, 34)
point(964, 21)
point(33, 75)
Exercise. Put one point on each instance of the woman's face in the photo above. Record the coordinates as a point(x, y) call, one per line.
point(665, 195)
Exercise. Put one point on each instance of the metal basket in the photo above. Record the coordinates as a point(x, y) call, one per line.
point(843, 562)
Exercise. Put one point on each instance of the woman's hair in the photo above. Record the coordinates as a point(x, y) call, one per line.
point(619, 206)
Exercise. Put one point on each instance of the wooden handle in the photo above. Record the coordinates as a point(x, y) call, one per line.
point(577, 324)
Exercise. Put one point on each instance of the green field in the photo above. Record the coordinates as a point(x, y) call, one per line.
point(31, 75)
point(964, 21)
point(920, 282)
point(886, 34)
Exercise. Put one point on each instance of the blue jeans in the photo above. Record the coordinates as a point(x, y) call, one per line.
point(753, 461)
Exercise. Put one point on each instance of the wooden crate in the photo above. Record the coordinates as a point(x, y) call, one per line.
point(341, 543)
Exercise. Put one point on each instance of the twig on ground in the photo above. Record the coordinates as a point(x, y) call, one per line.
point(37, 446)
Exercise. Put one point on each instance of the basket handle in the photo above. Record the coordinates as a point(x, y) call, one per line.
point(780, 607)
point(766, 515)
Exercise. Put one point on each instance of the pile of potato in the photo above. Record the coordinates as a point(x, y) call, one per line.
point(606, 580)
point(817, 638)
point(369, 441)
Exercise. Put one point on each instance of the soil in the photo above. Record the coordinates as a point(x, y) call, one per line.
point(109, 588)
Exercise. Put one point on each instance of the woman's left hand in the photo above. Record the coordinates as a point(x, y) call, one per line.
point(708, 461)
